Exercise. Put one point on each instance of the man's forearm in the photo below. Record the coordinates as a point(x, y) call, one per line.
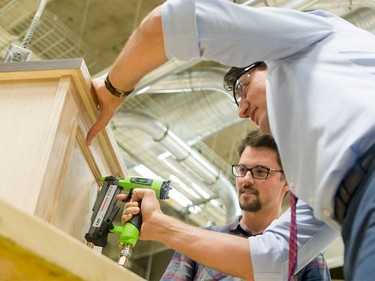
point(143, 52)
point(212, 249)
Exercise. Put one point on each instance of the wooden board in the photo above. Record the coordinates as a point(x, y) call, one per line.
point(13, 257)
point(32, 249)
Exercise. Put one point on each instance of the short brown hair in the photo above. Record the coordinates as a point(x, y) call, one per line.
point(256, 138)
point(236, 72)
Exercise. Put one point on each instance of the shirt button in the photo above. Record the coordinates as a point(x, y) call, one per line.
point(327, 212)
point(311, 200)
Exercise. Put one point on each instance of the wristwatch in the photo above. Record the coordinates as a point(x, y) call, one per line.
point(114, 91)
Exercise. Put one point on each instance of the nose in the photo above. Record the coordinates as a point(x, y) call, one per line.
point(244, 109)
point(248, 177)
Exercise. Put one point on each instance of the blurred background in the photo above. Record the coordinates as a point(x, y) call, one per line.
point(179, 124)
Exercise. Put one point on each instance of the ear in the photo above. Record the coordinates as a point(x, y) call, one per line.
point(285, 187)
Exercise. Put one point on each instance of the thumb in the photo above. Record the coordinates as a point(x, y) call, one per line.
point(140, 193)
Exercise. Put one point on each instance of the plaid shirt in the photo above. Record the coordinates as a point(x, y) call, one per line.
point(182, 268)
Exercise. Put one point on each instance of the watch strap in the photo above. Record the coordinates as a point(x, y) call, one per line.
point(114, 91)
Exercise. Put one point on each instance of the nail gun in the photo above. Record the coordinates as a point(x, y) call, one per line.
point(105, 211)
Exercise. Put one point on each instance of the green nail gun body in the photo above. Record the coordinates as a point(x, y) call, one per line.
point(105, 211)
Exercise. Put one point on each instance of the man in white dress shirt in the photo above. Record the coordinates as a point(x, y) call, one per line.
point(316, 95)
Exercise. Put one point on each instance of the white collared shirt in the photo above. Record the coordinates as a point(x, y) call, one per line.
point(320, 98)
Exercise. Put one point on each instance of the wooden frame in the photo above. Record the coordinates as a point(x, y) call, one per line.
point(47, 171)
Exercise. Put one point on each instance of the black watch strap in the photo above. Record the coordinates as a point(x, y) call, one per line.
point(114, 91)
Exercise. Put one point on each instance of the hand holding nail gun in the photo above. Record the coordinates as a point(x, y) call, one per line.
point(105, 211)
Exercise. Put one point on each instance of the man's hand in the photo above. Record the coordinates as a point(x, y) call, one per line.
point(108, 105)
point(130, 209)
point(151, 212)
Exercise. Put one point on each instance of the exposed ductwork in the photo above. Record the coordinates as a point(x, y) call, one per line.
point(188, 156)
point(203, 79)
point(206, 86)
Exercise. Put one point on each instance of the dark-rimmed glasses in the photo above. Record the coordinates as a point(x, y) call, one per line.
point(240, 83)
point(257, 172)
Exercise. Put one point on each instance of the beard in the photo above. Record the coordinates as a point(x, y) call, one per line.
point(250, 205)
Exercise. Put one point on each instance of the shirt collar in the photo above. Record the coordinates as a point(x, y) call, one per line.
point(236, 227)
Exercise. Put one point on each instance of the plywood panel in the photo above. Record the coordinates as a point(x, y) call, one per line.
point(41, 106)
point(24, 112)
point(79, 191)
point(62, 126)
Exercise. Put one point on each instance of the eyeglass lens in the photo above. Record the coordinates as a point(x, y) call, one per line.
point(240, 89)
point(256, 172)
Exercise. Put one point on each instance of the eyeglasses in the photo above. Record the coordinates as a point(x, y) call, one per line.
point(241, 82)
point(257, 172)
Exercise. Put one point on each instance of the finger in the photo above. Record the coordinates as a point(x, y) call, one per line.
point(128, 213)
point(131, 204)
point(121, 196)
point(100, 124)
point(125, 218)
point(140, 193)
point(92, 134)
point(137, 194)
point(131, 211)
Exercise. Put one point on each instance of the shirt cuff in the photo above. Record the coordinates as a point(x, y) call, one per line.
point(180, 29)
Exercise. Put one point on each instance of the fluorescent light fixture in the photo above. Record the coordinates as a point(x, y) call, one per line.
point(184, 186)
point(179, 197)
point(200, 190)
point(216, 203)
point(145, 172)
point(195, 209)
point(142, 90)
point(177, 180)
point(171, 166)
point(164, 155)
